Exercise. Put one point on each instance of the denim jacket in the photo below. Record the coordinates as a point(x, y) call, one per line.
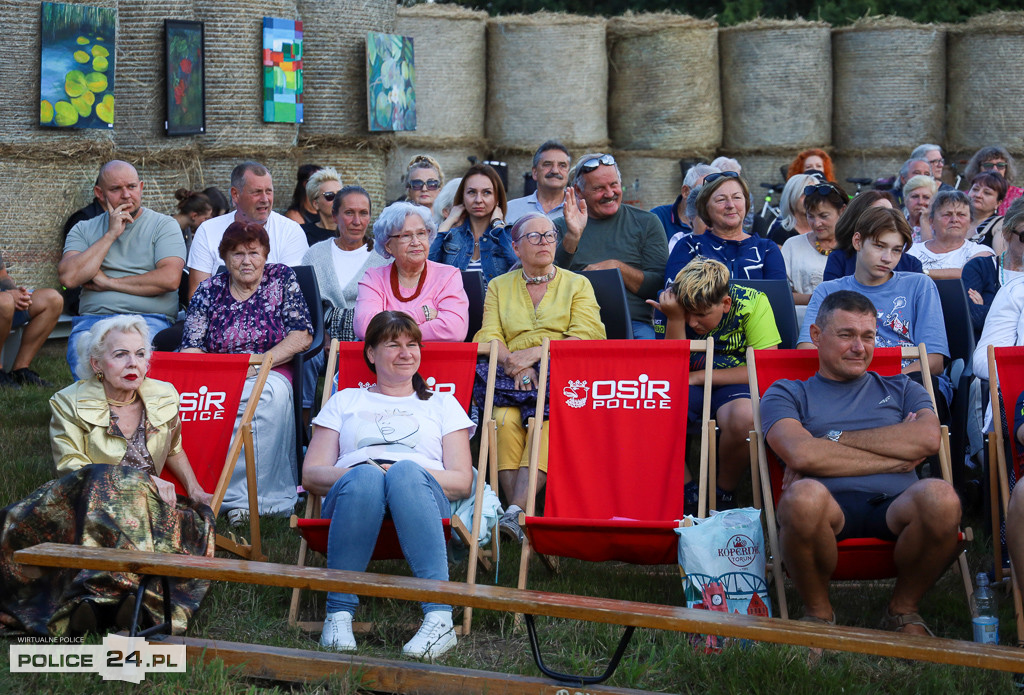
point(456, 248)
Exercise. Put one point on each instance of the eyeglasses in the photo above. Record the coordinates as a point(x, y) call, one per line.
point(407, 237)
point(429, 184)
point(710, 178)
point(933, 162)
point(594, 162)
point(989, 166)
point(821, 189)
point(536, 238)
point(1019, 233)
point(329, 196)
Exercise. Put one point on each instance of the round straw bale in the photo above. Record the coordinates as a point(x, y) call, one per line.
point(234, 87)
point(451, 69)
point(648, 180)
point(520, 167)
point(334, 36)
point(652, 105)
point(140, 110)
point(869, 165)
point(161, 179)
point(986, 82)
point(776, 84)
point(357, 167)
point(44, 192)
point(908, 106)
point(454, 162)
point(547, 76)
point(19, 119)
point(758, 169)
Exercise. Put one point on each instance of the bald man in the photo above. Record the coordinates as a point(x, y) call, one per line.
point(127, 260)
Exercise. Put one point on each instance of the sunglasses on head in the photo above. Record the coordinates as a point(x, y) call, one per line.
point(821, 189)
point(711, 178)
point(429, 184)
point(329, 196)
point(594, 162)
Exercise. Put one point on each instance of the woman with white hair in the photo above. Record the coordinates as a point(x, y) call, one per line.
point(431, 293)
point(321, 188)
point(112, 434)
point(792, 220)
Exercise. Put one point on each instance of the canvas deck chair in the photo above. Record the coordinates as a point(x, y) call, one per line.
point(448, 367)
point(1006, 382)
point(859, 558)
point(209, 391)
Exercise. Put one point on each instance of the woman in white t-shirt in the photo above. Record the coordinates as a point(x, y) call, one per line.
point(394, 447)
point(807, 254)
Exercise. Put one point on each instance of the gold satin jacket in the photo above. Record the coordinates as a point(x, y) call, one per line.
point(81, 417)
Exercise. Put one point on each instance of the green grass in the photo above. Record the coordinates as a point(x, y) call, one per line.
point(655, 660)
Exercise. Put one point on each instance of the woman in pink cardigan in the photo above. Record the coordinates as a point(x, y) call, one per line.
point(431, 293)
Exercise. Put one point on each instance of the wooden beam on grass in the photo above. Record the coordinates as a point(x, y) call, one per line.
point(379, 675)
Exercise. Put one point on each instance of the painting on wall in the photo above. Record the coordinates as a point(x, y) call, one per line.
point(186, 77)
point(282, 70)
point(76, 66)
point(391, 82)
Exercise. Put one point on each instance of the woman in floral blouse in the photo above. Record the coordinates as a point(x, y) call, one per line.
point(255, 308)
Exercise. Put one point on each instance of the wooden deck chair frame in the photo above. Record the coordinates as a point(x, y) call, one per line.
point(241, 442)
point(999, 485)
point(762, 479)
point(470, 537)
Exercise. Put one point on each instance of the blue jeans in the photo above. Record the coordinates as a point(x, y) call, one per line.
point(311, 370)
point(81, 324)
point(643, 330)
point(356, 504)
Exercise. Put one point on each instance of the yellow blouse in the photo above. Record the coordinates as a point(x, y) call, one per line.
point(568, 309)
point(81, 416)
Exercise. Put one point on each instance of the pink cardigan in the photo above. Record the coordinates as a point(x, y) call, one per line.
point(442, 291)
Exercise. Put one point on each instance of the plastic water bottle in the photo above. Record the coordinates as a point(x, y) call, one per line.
point(986, 623)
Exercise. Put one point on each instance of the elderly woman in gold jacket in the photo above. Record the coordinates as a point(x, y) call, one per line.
point(112, 434)
point(523, 307)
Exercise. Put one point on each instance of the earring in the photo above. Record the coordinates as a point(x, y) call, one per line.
point(99, 376)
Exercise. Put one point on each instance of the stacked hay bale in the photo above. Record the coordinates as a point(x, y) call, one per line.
point(648, 179)
point(776, 88)
point(986, 83)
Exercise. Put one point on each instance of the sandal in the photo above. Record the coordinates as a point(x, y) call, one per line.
point(896, 623)
point(819, 621)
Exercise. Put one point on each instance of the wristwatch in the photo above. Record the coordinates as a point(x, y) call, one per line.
point(834, 435)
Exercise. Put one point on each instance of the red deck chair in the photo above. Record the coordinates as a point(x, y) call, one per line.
point(209, 391)
point(1006, 382)
point(617, 450)
point(859, 558)
point(447, 367)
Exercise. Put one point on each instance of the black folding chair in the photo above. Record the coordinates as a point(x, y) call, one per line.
point(311, 291)
point(473, 283)
point(610, 292)
point(956, 314)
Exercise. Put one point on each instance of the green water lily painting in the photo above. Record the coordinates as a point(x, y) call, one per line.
point(76, 83)
point(391, 82)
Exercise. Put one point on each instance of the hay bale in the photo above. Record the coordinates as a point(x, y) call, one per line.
point(36, 198)
point(334, 35)
point(663, 91)
point(872, 165)
point(451, 69)
point(139, 87)
point(547, 76)
point(19, 119)
point(162, 178)
point(760, 168)
point(776, 84)
point(986, 82)
point(234, 89)
point(453, 161)
point(647, 179)
point(908, 106)
point(360, 167)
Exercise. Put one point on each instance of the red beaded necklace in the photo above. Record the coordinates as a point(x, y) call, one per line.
point(397, 290)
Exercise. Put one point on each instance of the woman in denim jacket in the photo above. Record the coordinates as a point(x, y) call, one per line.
point(474, 235)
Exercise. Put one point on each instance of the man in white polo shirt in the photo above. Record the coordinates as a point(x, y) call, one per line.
point(252, 192)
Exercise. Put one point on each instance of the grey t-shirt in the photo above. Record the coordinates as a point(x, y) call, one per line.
point(867, 402)
point(149, 239)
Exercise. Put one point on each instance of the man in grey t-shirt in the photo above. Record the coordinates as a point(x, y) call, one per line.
point(851, 440)
point(127, 260)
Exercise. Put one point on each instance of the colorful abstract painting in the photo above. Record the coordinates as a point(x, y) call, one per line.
point(186, 74)
point(391, 82)
point(282, 70)
point(76, 68)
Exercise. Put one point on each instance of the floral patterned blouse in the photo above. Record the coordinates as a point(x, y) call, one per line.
point(217, 322)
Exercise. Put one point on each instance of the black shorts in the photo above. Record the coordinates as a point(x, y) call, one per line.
point(865, 515)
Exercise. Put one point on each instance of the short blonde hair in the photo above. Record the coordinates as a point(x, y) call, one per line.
point(919, 181)
point(701, 284)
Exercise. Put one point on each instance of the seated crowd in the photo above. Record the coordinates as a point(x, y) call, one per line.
point(861, 272)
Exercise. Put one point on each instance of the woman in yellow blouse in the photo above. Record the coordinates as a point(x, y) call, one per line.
point(523, 307)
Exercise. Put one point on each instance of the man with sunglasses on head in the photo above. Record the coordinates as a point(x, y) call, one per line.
point(599, 232)
point(252, 192)
point(551, 172)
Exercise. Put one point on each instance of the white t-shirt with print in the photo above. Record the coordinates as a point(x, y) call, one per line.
point(956, 258)
point(391, 428)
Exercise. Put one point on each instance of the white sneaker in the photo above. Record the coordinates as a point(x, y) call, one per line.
point(337, 634)
point(238, 517)
point(436, 636)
